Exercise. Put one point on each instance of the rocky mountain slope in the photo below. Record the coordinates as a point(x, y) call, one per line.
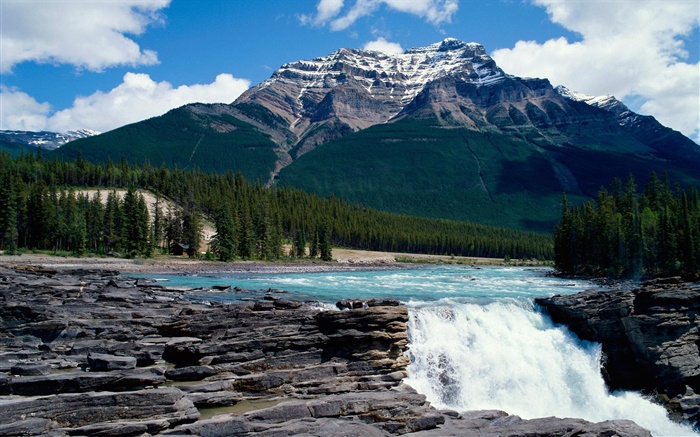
point(439, 131)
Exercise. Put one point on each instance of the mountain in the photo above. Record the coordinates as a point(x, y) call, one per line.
point(15, 141)
point(438, 131)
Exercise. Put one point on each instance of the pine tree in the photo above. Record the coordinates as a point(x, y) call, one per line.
point(224, 242)
point(325, 243)
point(8, 219)
point(141, 234)
point(300, 244)
point(113, 219)
point(157, 228)
point(246, 236)
point(314, 244)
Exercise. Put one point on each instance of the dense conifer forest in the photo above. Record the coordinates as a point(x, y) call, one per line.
point(625, 232)
point(44, 207)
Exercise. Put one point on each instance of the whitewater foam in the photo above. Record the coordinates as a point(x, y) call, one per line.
point(505, 355)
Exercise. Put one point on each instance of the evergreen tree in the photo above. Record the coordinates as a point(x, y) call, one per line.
point(325, 243)
point(224, 242)
point(314, 245)
point(300, 243)
point(112, 225)
point(136, 223)
point(8, 219)
point(157, 228)
point(246, 236)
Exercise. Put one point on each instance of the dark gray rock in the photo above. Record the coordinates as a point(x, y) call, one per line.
point(191, 373)
point(31, 369)
point(76, 410)
point(498, 425)
point(220, 426)
point(105, 362)
point(33, 426)
point(81, 382)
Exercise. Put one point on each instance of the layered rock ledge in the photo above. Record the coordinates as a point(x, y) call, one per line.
point(650, 336)
point(91, 353)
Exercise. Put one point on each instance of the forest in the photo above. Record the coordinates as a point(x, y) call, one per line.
point(46, 209)
point(630, 233)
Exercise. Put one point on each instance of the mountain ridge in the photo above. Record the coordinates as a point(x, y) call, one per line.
point(14, 141)
point(315, 124)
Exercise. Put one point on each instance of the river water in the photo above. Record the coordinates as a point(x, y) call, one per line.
point(477, 341)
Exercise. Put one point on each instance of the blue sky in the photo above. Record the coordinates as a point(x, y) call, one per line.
point(101, 64)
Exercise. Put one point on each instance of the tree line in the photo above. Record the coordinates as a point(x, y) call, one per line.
point(251, 221)
point(631, 233)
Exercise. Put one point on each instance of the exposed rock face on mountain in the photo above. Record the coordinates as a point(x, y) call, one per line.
point(650, 337)
point(351, 90)
point(91, 353)
point(390, 130)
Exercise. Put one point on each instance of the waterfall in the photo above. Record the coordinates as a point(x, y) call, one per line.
point(504, 355)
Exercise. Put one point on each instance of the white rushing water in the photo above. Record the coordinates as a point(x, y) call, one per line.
point(506, 356)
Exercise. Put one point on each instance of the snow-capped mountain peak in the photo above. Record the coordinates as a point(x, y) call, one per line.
point(406, 72)
point(361, 88)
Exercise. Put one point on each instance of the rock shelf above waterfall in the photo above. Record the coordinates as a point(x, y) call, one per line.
point(87, 352)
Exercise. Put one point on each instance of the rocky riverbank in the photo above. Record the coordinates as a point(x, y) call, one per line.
point(87, 352)
point(650, 336)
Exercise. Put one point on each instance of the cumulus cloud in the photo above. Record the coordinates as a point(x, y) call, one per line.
point(328, 9)
point(328, 12)
point(382, 45)
point(138, 97)
point(628, 48)
point(89, 35)
point(20, 111)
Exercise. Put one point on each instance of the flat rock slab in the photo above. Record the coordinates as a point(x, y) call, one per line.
point(31, 369)
point(76, 410)
point(105, 362)
point(81, 382)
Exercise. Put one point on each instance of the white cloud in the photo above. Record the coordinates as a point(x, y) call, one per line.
point(382, 45)
point(138, 97)
point(20, 111)
point(628, 48)
point(88, 34)
point(328, 11)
